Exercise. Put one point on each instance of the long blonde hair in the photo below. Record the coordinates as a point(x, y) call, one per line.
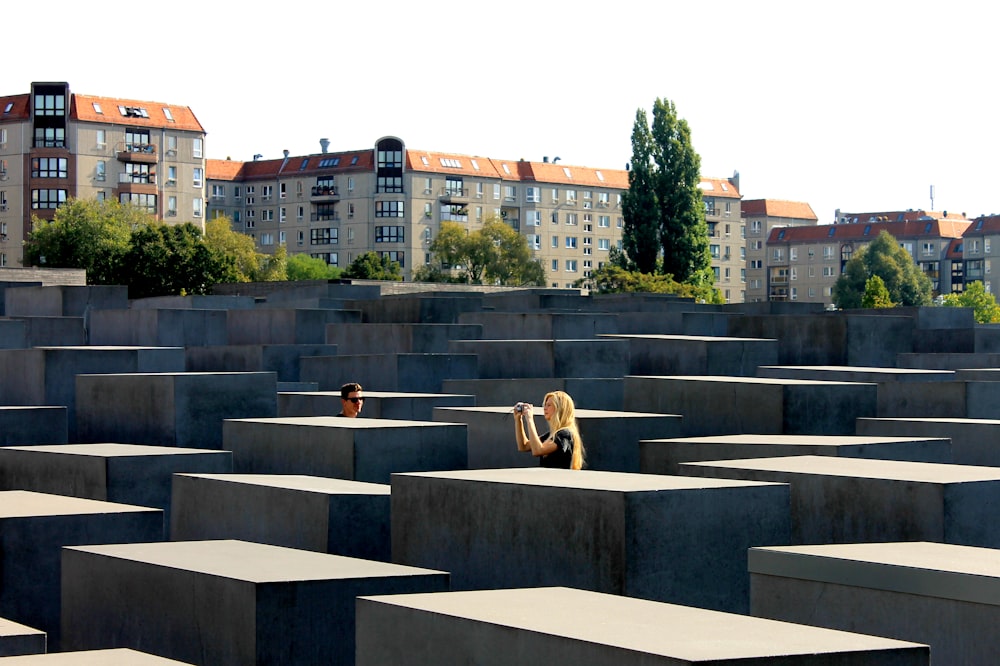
point(564, 418)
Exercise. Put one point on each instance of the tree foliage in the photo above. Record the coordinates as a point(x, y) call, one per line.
point(304, 267)
point(495, 254)
point(984, 305)
point(251, 266)
point(371, 266)
point(612, 279)
point(663, 208)
point(905, 282)
point(172, 259)
point(876, 295)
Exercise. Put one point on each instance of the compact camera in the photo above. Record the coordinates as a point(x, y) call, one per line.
point(519, 407)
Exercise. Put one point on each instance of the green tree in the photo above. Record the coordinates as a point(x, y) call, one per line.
point(876, 295)
point(495, 254)
point(641, 231)
point(304, 267)
point(172, 259)
point(905, 282)
point(371, 266)
point(88, 234)
point(984, 305)
point(251, 265)
point(509, 261)
point(611, 278)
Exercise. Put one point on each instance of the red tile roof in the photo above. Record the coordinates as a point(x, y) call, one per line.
point(954, 251)
point(18, 112)
point(840, 232)
point(987, 225)
point(795, 210)
point(222, 169)
point(718, 187)
point(82, 108)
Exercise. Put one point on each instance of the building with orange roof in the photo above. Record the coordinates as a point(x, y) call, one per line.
point(980, 245)
point(55, 145)
point(803, 263)
point(759, 217)
point(726, 234)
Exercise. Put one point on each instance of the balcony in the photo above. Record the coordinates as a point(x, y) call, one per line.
point(136, 153)
point(779, 279)
point(324, 217)
point(324, 194)
point(453, 194)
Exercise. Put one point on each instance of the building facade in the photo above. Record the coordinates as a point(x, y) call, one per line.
point(760, 216)
point(978, 248)
point(803, 263)
point(55, 145)
point(726, 235)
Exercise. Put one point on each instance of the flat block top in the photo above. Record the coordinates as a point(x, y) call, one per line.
point(252, 562)
point(751, 380)
point(11, 628)
point(28, 504)
point(924, 568)
point(114, 657)
point(687, 338)
point(92, 348)
point(681, 632)
point(178, 375)
point(864, 468)
point(797, 440)
point(111, 450)
point(936, 420)
point(317, 484)
point(377, 394)
point(860, 368)
point(580, 413)
point(341, 422)
point(586, 479)
point(26, 408)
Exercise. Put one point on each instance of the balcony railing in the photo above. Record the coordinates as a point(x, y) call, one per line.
point(137, 178)
point(144, 153)
point(325, 192)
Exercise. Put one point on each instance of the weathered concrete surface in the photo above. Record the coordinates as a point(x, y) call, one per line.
point(399, 338)
point(511, 359)
point(170, 409)
point(727, 405)
point(541, 325)
point(949, 361)
point(122, 473)
point(361, 449)
point(307, 512)
point(854, 374)
point(697, 355)
point(848, 500)
point(110, 657)
point(17, 639)
point(567, 626)
point(283, 326)
point(34, 526)
point(944, 595)
point(378, 404)
point(601, 531)
point(283, 360)
point(588, 393)
point(664, 456)
point(973, 441)
point(611, 439)
point(13, 334)
point(158, 327)
point(64, 300)
point(224, 602)
point(415, 373)
point(33, 425)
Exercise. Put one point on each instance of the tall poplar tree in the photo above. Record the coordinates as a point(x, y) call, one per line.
point(640, 235)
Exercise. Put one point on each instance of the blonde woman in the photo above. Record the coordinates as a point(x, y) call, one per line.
point(561, 446)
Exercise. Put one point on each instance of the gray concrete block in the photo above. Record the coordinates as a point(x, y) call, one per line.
point(17, 639)
point(170, 409)
point(399, 338)
point(283, 326)
point(33, 425)
point(307, 512)
point(664, 456)
point(588, 392)
point(193, 302)
point(224, 602)
point(159, 327)
point(843, 373)
point(415, 373)
point(283, 360)
point(946, 361)
point(728, 405)
point(697, 355)
point(64, 300)
point(13, 334)
point(946, 399)
point(34, 526)
point(509, 359)
point(600, 531)
point(973, 441)
point(378, 404)
point(567, 626)
point(541, 325)
point(361, 449)
point(848, 500)
point(944, 595)
point(54, 331)
point(122, 473)
point(110, 657)
point(611, 439)
point(425, 308)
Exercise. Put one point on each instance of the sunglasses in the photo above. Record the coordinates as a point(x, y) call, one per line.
point(356, 400)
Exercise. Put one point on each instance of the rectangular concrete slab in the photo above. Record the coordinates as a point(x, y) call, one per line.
point(33, 425)
point(663, 456)
point(378, 404)
point(587, 392)
point(944, 595)
point(34, 526)
point(308, 512)
point(973, 441)
point(111, 657)
point(847, 373)
point(226, 602)
point(500, 359)
point(666, 538)
point(17, 639)
point(845, 500)
point(568, 626)
point(360, 449)
point(697, 355)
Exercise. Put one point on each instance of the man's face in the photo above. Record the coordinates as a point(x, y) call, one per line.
point(353, 404)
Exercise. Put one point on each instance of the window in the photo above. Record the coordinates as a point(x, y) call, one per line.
point(570, 218)
point(743, 253)
point(101, 170)
point(571, 265)
point(534, 241)
point(510, 192)
point(197, 146)
point(555, 264)
point(587, 228)
point(555, 241)
point(603, 199)
point(281, 237)
point(388, 234)
point(454, 213)
point(393, 255)
point(196, 206)
point(829, 271)
point(350, 184)
point(198, 178)
point(496, 191)
point(50, 137)
point(146, 202)
point(555, 217)
point(267, 215)
point(755, 226)
point(571, 242)
point(350, 210)
point(533, 218)
point(479, 190)
point(102, 138)
point(743, 275)
point(793, 254)
point(555, 195)
point(47, 198)
point(571, 196)
point(604, 221)
point(828, 252)
point(389, 208)
point(300, 213)
point(172, 206)
point(50, 105)
point(48, 167)
point(604, 244)
point(793, 273)
point(928, 249)
point(714, 249)
point(452, 186)
point(533, 194)
point(324, 236)
point(267, 238)
point(266, 192)
point(986, 245)
point(331, 258)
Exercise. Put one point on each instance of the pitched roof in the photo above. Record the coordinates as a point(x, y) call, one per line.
point(19, 109)
point(986, 225)
point(719, 187)
point(795, 210)
point(927, 228)
point(83, 108)
point(222, 169)
point(954, 251)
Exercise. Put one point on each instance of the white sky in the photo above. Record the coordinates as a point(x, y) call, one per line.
point(860, 106)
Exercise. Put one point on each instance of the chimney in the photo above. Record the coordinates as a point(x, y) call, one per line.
point(324, 144)
point(545, 160)
point(285, 151)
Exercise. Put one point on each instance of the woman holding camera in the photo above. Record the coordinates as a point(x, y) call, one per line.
point(561, 446)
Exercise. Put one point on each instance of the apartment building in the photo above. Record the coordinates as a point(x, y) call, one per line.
point(760, 216)
point(977, 249)
point(803, 263)
point(727, 235)
point(55, 145)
